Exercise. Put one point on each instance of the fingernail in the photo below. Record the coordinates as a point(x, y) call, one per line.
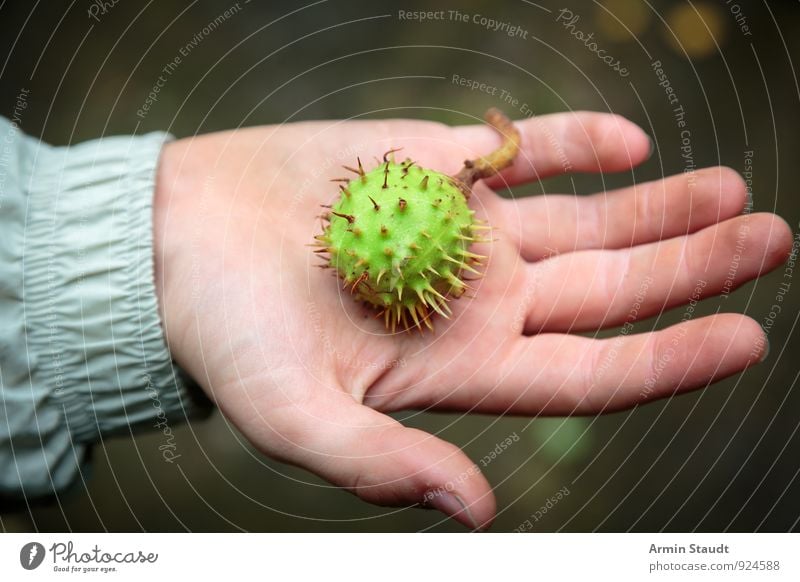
point(652, 147)
point(766, 349)
point(453, 506)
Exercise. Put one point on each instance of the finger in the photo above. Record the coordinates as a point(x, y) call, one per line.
point(383, 462)
point(559, 143)
point(569, 374)
point(681, 204)
point(592, 289)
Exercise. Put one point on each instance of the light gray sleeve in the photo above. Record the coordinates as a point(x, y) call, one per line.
point(82, 351)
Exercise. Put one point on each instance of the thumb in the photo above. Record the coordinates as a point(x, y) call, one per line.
point(384, 462)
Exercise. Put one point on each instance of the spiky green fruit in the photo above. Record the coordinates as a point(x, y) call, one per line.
point(399, 237)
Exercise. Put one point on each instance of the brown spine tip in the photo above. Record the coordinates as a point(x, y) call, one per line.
point(349, 217)
point(374, 204)
point(413, 312)
point(401, 203)
point(425, 317)
point(389, 153)
point(424, 183)
point(363, 277)
point(354, 170)
point(345, 191)
point(386, 176)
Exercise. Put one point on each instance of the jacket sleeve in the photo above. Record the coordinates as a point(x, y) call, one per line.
point(82, 352)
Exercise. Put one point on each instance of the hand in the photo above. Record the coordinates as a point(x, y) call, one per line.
point(307, 374)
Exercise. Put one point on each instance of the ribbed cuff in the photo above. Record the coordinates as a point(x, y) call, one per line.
point(91, 307)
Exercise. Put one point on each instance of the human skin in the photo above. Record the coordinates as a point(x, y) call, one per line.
point(308, 375)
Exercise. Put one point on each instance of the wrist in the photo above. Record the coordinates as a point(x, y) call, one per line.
point(167, 210)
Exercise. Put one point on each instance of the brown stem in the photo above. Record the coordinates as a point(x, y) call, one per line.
point(496, 161)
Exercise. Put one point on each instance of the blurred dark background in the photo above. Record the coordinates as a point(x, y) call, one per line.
point(724, 459)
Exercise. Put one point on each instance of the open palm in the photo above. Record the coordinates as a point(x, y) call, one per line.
point(307, 374)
